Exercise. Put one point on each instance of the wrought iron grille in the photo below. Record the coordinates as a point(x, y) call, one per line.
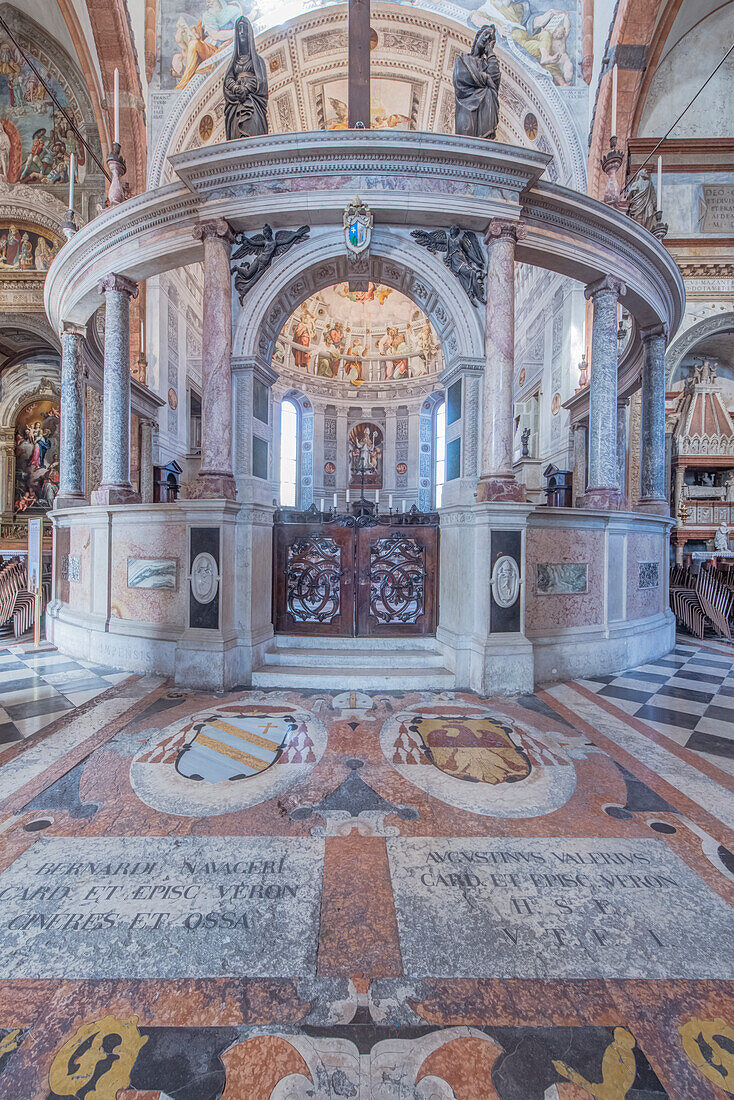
point(397, 579)
point(313, 576)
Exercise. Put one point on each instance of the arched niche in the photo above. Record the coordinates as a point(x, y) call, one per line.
point(395, 260)
point(711, 326)
point(415, 53)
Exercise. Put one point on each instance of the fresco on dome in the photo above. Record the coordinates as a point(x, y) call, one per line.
point(392, 107)
point(37, 456)
point(23, 249)
point(195, 34)
point(36, 141)
point(372, 335)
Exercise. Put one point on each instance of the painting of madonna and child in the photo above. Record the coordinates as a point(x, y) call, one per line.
point(372, 335)
point(37, 456)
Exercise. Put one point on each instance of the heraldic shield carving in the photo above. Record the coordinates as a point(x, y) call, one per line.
point(236, 747)
point(478, 750)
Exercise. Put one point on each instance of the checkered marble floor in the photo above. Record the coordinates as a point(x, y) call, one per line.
point(37, 689)
point(687, 695)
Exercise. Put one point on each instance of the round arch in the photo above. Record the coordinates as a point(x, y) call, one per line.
point(710, 326)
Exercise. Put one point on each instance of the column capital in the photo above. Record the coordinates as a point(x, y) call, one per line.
point(69, 328)
point(503, 227)
point(217, 227)
point(608, 282)
point(118, 282)
point(654, 330)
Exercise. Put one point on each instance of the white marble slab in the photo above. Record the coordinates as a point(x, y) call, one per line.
point(555, 908)
point(151, 572)
point(159, 907)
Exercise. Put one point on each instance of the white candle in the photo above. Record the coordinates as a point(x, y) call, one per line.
point(321, 505)
point(389, 501)
point(334, 501)
point(614, 101)
point(72, 173)
point(116, 138)
point(403, 506)
point(142, 336)
point(347, 496)
point(377, 496)
point(660, 183)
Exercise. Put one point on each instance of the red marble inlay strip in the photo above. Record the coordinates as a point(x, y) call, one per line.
point(686, 755)
point(359, 928)
point(661, 786)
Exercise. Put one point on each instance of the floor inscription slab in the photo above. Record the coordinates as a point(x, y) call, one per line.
point(132, 907)
point(556, 908)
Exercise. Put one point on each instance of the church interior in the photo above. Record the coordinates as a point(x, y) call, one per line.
point(367, 550)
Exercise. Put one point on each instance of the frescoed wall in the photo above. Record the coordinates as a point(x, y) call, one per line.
point(359, 337)
point(193, 33)
point(24, 249)
point(37, 456)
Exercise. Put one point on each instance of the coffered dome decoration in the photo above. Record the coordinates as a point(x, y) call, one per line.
point(412, 62)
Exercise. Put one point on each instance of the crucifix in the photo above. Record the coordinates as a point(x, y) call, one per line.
point(359, 63)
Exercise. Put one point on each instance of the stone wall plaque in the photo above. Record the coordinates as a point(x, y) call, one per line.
point(555, 908)
point(717, 207)
point(649, 576)
point(70, 568)
point(562, 578)
point(151, 572)
point(156, 907)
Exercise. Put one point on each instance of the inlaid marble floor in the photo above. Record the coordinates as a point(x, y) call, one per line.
point(422, 896)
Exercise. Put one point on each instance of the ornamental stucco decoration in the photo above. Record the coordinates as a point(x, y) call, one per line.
point(505, 581)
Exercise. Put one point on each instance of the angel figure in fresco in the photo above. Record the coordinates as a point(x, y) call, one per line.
point(543, 36)
point(199, 43)
point(265, 247)
point(463, 257)
point(340, 118)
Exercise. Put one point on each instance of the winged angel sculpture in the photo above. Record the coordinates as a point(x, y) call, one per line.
point(463, 257)
point(265, 247)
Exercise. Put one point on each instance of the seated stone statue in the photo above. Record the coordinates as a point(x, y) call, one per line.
point(245, 87)
point(477, 87)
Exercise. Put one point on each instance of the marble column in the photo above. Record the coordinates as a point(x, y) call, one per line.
point(603, 491)
point(146, 461)
point(652, 450)
point(115, 487)
point(215, 477)
point(579, 461)
point(497, 481)
point(71, 445)
point(622, 446)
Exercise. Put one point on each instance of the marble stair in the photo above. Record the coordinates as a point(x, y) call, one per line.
point(365, 664)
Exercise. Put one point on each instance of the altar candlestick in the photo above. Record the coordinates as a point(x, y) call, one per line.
point(72, 173)
point(614, 101)
point(116, 137)
point(403, 509)
point(377, 496)
point(334, 501)
point(347, 496)
point(321, 505)
point(660, 183)
point(389, 501)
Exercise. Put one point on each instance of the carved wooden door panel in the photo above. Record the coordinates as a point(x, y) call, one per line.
point(313, 591)
point(396, 580)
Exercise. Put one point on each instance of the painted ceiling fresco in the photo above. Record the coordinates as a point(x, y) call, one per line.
point(195, 32)
point(372, 335)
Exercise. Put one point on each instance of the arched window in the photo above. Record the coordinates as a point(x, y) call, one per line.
point(288, 453)
point(439, 453)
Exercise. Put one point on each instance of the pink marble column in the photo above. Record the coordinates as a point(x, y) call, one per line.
point(215, 478)
point(497, 481)
point(115, 487)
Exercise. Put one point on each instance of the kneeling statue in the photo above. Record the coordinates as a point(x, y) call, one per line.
point(245, 87)
point(477, 87)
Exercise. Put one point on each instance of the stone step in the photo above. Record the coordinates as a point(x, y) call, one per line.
point(308, 642)
point(377, 658)
point(348, 678)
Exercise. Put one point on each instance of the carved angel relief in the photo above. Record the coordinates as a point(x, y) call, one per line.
point(265, 247)
point(463, 256)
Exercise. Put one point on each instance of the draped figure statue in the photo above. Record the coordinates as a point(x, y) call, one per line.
point(643, 201)
point(477, 87)
point(245, 87)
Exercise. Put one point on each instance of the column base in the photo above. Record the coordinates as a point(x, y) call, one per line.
point(606, 500)
point(115, 494)
point(655, 506)
point(70, 500)
point(500, 488)
point(210, 486)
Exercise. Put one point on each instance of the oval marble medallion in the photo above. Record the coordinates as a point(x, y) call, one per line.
point(204, 578)
point(505, 581)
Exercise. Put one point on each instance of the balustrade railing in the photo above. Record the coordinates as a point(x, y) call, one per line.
point(319, 361)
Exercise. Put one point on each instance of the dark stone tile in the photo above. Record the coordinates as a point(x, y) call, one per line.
point(668, 717)
point(673, 692)
point(48, 668)
point(90, 683)
point(724, 662)
point(614, 691)
point(32, 709)
point(721, 714)
point(648, 677)
point(701, 677)
point(711, 742)
point(8, 733)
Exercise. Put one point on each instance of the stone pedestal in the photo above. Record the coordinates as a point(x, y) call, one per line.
point(115, 487)
point(603, 484)
point(215, 478)
point(497, 481)
point(652, 451)
point(71, 449)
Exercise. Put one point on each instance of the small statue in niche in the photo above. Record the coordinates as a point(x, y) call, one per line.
point(643, 201)
point(463, 257)
point(721, 537)
point(245, 87)
point(265, 247)
point(524, 440)
point(477, 87)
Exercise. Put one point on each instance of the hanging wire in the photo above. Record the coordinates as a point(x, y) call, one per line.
point(680, 116)
point(51, 95)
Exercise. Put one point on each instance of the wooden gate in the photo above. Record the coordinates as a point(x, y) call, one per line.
point(353, 576)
